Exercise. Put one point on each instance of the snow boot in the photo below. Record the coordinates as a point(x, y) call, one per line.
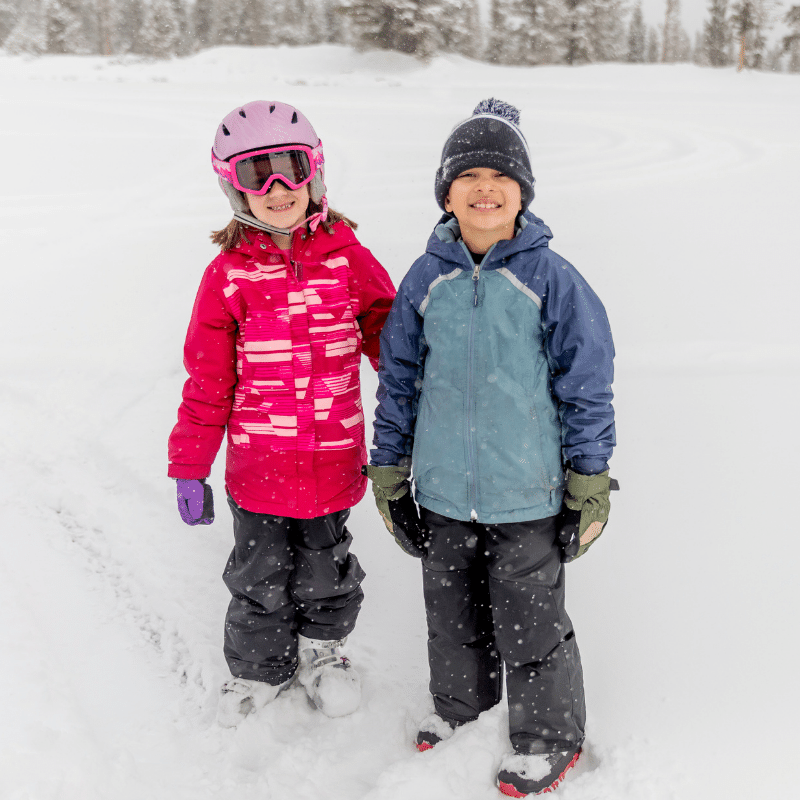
point(522, 774)
point(330, 681)
point(239, 697)
point(432, 730)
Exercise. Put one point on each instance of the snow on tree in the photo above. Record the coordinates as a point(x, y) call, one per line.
point(70, 28)
point(204, 22)
point(637, 36)
point(653, 51)
point(577, 47)
point(717, 34)
point(698, 51)
point(743, 21)
point(605, 30)
point(54, 26)
point(418, 27)
point(527, 32)
point(29, 35)
point(165, 29)
point(673, 36)
point(119, 31)
point(461, 28)
point(791, 43)
point(9, 17)
point(751, 20)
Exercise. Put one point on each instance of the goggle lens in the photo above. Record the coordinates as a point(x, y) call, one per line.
point(253, 173)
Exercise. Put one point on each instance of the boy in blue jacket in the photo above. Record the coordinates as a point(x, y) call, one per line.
point(495, 389)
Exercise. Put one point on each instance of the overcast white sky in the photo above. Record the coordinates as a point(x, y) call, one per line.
point(693, 13)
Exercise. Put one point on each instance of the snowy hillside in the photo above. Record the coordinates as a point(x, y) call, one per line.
point(672, 189)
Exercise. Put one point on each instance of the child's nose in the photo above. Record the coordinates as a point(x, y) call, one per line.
point(279, 185)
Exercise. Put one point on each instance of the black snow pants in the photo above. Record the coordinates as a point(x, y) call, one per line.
point(494, 596)
point(287, 576)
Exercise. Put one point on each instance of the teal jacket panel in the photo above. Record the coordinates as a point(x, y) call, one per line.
point(493, 376)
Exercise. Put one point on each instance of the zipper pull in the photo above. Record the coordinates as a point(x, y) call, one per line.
point(476, 273)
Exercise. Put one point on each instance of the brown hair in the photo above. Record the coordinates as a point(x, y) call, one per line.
point(235, 232)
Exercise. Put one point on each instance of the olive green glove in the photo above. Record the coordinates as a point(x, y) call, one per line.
point(585, 512)
point(392, 491)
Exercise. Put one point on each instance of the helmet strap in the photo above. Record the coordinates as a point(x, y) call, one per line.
point(313, 221)
point(250, 220)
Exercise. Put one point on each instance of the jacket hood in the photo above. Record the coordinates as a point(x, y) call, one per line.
point(445, 241)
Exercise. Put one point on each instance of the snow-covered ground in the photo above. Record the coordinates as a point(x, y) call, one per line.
point(672, 189)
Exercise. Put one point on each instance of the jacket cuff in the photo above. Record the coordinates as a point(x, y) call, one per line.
point(588, 466)
point(188, 471)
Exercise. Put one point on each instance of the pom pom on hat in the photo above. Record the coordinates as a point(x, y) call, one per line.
point(499, 108)
point(489, 138)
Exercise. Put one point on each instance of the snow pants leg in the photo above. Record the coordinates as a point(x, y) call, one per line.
point(287, 576)
point(494, 597)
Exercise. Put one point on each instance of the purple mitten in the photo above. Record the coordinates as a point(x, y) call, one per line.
point(195, 502)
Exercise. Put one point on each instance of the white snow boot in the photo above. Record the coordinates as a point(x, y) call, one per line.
point(239, 697)
point(330, 681)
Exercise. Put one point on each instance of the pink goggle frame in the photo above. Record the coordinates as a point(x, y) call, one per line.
point(227, 169)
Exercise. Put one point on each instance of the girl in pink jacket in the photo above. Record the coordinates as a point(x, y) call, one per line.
point(273, 353)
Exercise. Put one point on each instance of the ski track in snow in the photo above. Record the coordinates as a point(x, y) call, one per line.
point(665, 186)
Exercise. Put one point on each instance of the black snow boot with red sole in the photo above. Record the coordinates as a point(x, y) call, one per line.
point(523, 774)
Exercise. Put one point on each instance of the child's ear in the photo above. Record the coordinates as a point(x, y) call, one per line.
point(447, 207)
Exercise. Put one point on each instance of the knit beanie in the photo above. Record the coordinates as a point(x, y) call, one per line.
point(490, 138)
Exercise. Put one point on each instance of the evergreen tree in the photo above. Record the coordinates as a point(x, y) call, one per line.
point(233, 22)
point(716, 34)
point(418, 27)
point(120, 23)
point(204, 21)
point(791, 43)
point(459, 23)
point(164, 29)
point(637, 36)
point(683, 46)
point(605, 30)
point(70, 28)
point(577, 46)
point(670, 31)
point(29, 35)
point(9, 17)
point(653, 50)
point(527, 31)
point(698, 51)
point(773, 58)
point(750, 21)
point(375, 24)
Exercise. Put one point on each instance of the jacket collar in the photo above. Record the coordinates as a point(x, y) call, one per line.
point(445, 241)
point(315, 245)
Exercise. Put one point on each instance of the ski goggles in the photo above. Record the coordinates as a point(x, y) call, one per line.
point(256, 171)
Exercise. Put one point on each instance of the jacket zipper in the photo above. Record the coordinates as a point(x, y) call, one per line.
point(471, 447)
point(297, 266)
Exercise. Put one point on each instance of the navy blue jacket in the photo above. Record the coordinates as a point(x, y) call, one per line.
point(494, 376)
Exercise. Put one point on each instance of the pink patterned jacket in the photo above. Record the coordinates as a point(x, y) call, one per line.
point(273, 353)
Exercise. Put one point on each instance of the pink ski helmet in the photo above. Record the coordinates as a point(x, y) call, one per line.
point(260, 126)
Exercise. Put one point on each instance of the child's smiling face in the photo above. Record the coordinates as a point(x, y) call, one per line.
point(280, 207)
point(485, 203)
